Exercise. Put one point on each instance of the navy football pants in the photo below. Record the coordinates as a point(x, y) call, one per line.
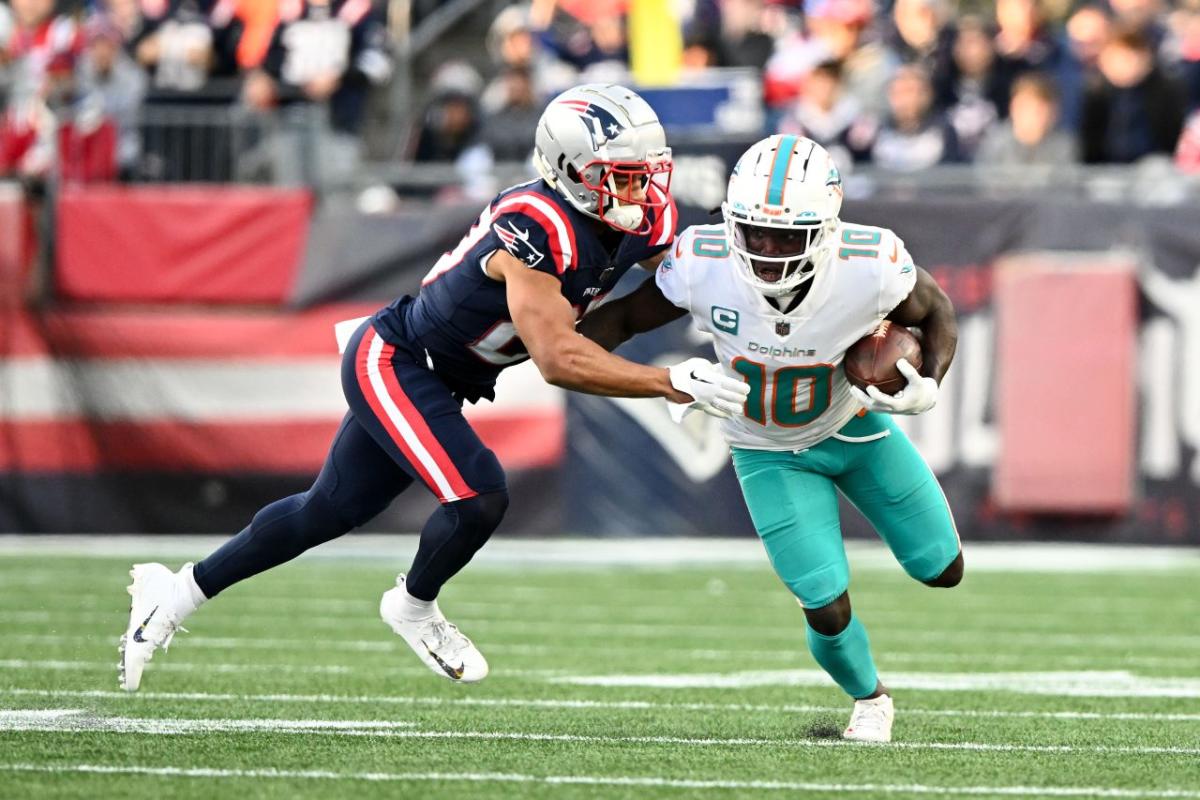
point(403, 425)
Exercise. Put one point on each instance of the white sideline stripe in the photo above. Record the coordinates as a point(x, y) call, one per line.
point(785, 656)
point(76, 721)
point(642, 552)
point(1116, 683)
point(402, 425)
point(620, 705)
point(606, 780)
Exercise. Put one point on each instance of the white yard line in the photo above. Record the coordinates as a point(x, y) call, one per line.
point(788, 636)
point(59, 665)
point(650, 782)
point(1112, 683)
point(76, 721)
point(786, 655)
point(81, 721)
point(487, 599)
point(1115, 683)
point(500, 612)
point(587, 705)
point(177, 666)
point(643, 552)
point(235, 643)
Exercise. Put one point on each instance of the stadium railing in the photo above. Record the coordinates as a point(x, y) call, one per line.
point(1153, 182)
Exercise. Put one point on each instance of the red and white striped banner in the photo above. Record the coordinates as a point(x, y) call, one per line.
point(209, 391)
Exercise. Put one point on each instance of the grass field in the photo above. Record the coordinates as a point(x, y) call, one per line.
point(666, 681)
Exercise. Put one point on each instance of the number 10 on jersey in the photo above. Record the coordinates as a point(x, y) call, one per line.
point(786, 383)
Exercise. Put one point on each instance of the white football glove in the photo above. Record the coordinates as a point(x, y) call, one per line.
point(918, 395)
point(715, 392)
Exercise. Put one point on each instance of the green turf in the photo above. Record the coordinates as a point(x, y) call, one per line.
point(311, 628)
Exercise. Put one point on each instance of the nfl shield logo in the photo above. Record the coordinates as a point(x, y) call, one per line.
point(783, 327)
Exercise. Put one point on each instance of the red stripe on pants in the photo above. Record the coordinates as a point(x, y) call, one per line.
point(411, 417)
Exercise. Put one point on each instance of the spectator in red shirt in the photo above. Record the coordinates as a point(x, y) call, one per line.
point(41, 53)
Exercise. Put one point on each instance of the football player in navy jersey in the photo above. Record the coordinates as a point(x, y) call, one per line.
point(537, 259)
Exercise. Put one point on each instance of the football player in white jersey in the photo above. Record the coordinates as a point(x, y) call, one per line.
point(785, 287)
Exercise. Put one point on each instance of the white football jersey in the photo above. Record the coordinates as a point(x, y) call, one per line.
point(798, 392)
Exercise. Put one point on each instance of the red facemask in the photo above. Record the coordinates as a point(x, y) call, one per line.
point(643, 184)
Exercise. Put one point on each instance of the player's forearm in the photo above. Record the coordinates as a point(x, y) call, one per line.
point(617, 321)
point(582, 365)
point(939, 340)
point(606, 326)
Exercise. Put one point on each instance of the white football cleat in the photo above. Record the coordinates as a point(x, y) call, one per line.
point(871, 720)
point(439, 643)
point(156, 609)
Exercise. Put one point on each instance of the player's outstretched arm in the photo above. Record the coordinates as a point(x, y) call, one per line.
point(643, 309)
point(545, 322)
point(928, 308)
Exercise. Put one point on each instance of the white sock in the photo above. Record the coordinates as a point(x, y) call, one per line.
point(190, 595)
point(414, 608)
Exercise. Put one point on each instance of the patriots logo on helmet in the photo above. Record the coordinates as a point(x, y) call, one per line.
point(601, 124)
point(516, 242)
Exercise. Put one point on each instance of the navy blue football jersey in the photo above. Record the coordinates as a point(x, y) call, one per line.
point(460, 316)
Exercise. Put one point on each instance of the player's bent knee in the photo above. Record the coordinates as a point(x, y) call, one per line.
point(951, 576)
point(817, 588)
point(478, 516)
point(832, 619)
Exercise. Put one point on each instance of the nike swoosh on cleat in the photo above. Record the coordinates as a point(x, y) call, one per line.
point(137, 635)
point(454, 672)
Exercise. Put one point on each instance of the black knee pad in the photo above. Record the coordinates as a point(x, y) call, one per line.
point(480, 515)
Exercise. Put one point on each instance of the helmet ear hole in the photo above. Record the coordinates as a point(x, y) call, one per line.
point(572, 173)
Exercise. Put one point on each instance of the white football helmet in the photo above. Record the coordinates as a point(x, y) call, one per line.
point(597, 145)
point(781, 212)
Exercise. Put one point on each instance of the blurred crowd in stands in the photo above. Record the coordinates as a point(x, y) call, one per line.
point(84, 79)
point(899, 84)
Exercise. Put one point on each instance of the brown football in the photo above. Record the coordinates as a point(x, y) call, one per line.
point(871, 361)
